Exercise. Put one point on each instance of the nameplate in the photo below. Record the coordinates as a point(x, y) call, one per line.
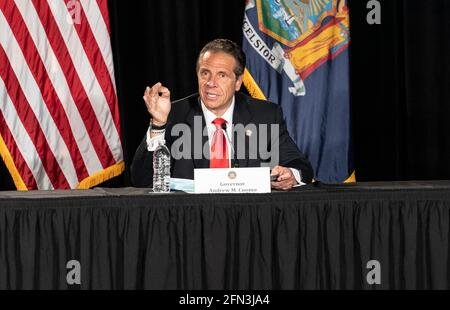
point(232, 181)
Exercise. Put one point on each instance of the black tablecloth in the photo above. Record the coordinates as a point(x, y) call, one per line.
point(315, 237)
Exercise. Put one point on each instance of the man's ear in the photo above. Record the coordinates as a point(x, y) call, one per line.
point(239, 82)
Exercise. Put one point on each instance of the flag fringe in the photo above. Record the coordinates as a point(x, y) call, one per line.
point(9, 162)
point(102, 176)
point(87, 183)
point(351, 178)
point(252, 87)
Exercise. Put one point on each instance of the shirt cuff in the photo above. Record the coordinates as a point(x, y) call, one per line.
point(297, 177)
point(152, 143)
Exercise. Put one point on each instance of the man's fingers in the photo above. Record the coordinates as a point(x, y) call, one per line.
point(285, 180)
point(147, 91)
point(276, 171)
point(156, 98)
point(156, 86)
point(146, 94)
point(164, 91)
point(283, 185)
point(154, 90)
point(284, 188)
point(282, 172)
point(151, 94)
point(285, 175)
point(157, 91)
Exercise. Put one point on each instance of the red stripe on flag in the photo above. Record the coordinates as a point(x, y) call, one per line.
point(98, 64)
point(20, 163)
point(76, 86)
point(103, 5)
point(31, 124)
point(51, 99)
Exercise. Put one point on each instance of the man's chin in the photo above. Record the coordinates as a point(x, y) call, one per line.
point(210, 103)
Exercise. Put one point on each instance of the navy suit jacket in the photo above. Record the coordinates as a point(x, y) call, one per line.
point(247, 111)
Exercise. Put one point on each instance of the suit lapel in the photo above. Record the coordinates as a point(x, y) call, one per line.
point(241, 115)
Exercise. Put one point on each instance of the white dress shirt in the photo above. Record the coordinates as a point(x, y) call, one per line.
point(228, 117)
point(152, 143)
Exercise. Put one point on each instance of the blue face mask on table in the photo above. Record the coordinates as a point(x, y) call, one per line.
point(185, 185)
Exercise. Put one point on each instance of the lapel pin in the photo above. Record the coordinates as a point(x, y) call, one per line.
point(248, 132)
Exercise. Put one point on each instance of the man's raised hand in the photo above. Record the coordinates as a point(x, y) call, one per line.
point(157, 100)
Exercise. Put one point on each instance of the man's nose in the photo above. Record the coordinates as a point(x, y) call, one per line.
point(211, 82)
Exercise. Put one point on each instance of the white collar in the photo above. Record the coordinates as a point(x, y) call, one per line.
point(210, 116)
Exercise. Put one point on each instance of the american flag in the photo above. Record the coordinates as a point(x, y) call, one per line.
point(59, 116)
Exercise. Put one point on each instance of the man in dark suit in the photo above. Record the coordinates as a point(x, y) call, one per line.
point(197, 129)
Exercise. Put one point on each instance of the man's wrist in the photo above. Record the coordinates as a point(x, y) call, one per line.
point(157, 125)
point(155, 133)
point(152, 140)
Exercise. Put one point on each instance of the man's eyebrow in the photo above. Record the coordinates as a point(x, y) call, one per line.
point(219, 72)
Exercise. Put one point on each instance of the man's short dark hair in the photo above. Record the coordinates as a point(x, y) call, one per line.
point(228, 47)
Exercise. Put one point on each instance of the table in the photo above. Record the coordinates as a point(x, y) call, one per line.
point(314, 237)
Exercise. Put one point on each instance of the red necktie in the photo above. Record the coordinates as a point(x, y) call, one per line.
point(219, 153)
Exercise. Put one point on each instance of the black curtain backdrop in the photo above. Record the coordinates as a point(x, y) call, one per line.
point(400, 90)
point(400, 76)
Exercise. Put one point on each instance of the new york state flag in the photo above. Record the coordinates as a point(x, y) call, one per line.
point(297, 56)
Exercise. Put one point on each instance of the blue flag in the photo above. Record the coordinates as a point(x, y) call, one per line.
point(297, 56)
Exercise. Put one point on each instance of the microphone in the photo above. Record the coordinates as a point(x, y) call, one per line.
point(234, 164)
